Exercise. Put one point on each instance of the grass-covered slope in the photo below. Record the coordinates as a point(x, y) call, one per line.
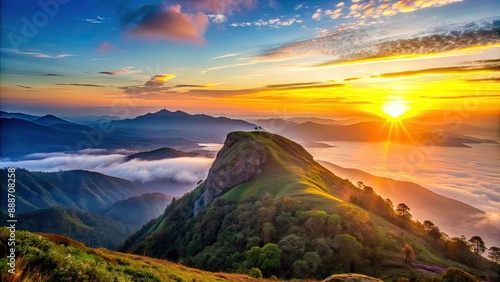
point(288, 171)
point(85, 190)
point(49, 257)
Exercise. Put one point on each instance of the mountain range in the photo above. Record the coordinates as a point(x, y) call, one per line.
point(87, 206)
point(265, 206)
point(147, 132)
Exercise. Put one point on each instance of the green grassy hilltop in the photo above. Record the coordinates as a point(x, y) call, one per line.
point(292, 218)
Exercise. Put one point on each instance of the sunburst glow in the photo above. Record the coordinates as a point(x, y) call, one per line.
point(395, 109)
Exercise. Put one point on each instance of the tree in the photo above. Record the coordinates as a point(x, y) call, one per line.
point(403, 210)
point(435, 233)
point(408, 253)
point(270, 259)
point(432, 230)
point(389, 202)
point(494, 255)
point(308, 266)
point(293, 247)
point(252, 256)
point(360, 185)
point(428, 225)
point(349, 252)
point(477, 245)
point(454, 274)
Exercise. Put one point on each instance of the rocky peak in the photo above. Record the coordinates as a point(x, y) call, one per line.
point(241, 159)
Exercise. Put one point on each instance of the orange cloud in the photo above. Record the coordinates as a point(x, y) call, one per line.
point(159, 79)
point(172, 24)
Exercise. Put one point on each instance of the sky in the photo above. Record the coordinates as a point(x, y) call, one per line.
point(249, 57)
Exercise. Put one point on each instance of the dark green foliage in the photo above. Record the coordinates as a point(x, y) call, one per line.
point(92, 229)
point(349, 252)
point(270, 259)
point(454, 274)
point(280, 236)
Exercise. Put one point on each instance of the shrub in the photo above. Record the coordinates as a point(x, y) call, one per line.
point(454, 274)
point(255, 273)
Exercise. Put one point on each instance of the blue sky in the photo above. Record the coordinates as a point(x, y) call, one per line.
point(221, 54)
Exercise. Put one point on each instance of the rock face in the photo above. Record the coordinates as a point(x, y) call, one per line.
point(240, 159)
point(351, 278)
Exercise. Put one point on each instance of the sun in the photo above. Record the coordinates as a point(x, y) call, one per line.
point(395, 109)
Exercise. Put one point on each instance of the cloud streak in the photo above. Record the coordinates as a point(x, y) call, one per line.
point(444, 70)
point(225, 56)
point(37, 54)
point(81, 84)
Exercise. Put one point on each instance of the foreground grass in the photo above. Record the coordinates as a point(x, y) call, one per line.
point(49, 257)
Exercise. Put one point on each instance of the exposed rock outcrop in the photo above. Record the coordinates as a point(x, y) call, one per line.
point(240, 159)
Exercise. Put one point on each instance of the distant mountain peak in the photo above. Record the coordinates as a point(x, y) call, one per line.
point(160, 154)
point(51, 120)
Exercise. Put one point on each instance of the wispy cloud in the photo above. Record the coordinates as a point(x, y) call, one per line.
point(190, 86)
point(225, 56)
point(347, 45)
point(490, 79)
point(299, 6)
point(352, 78)
point(305, 85)
point(52, 74)
point(172, 24)
point(36, 54)
point(81, 84)
point(486, 68)
point(127, 70)
point(96, 20)
point(274, 22)
point(24, 86)
point(228, 66)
